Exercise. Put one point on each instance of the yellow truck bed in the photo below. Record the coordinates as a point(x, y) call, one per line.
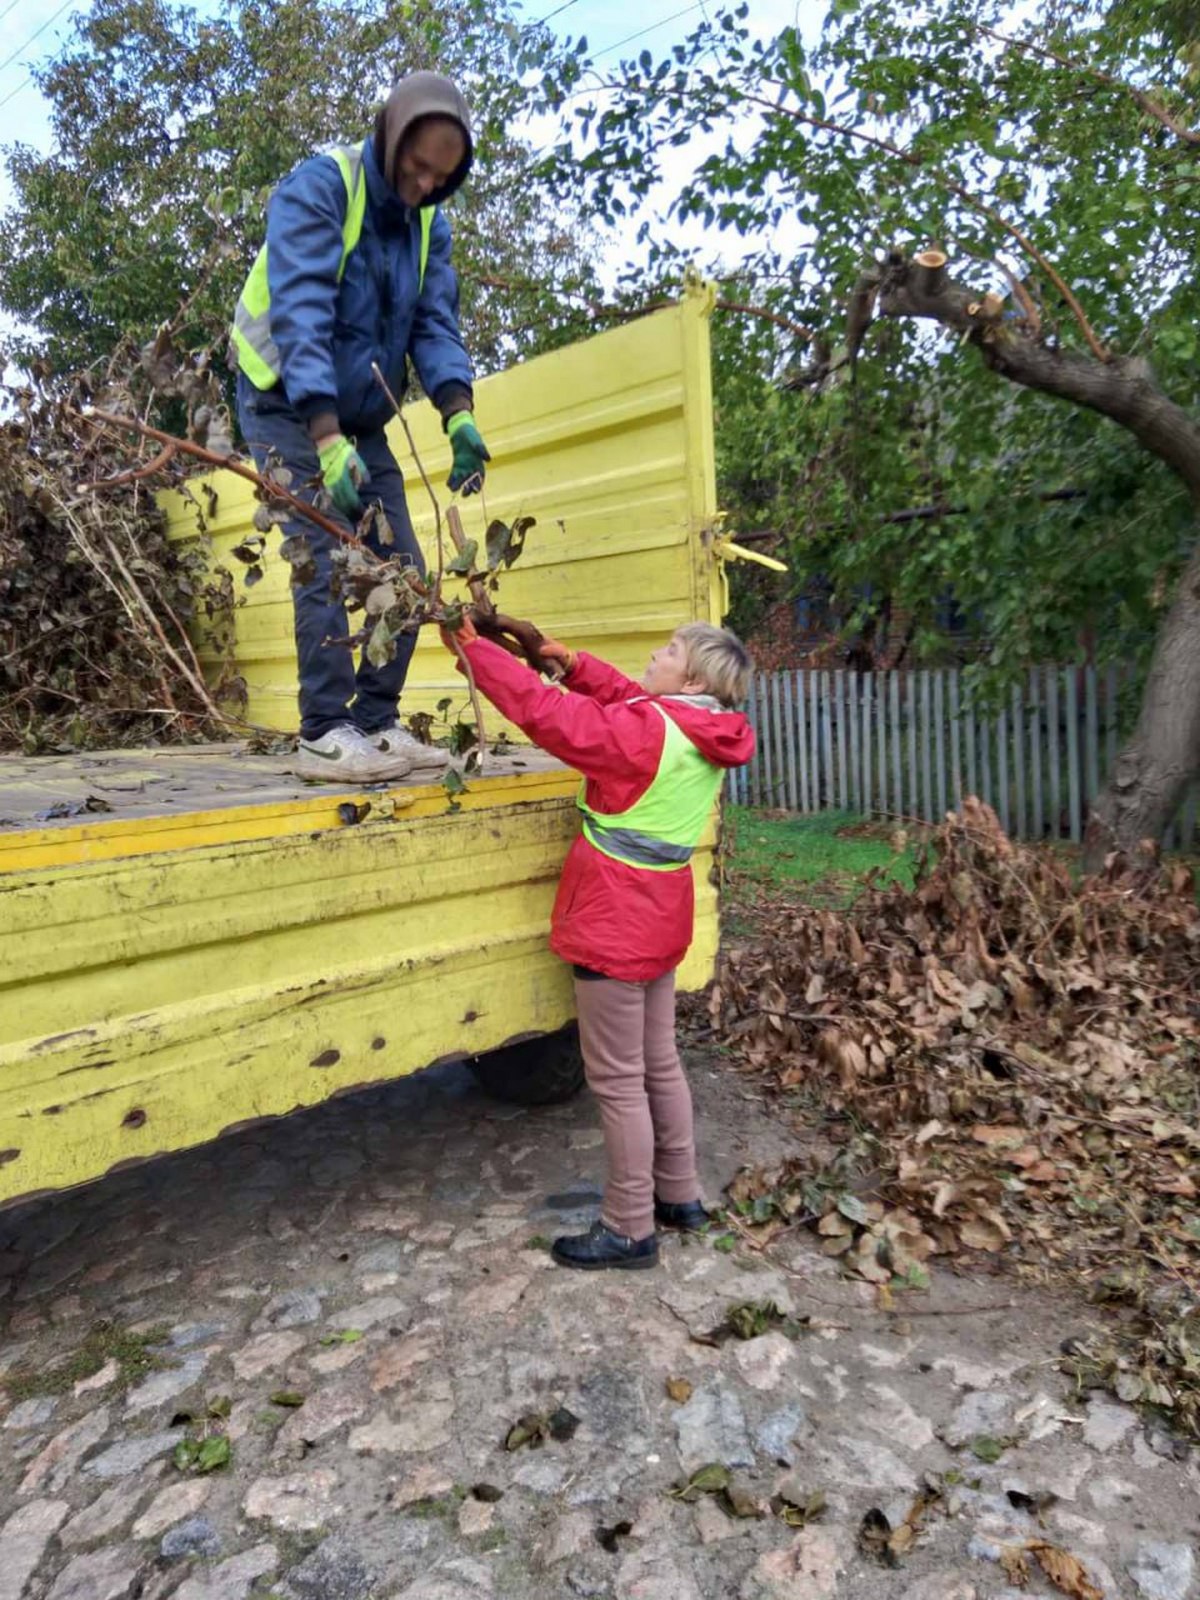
point(221, 943)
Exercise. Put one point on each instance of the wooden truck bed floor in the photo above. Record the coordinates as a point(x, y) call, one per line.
point(104, 804)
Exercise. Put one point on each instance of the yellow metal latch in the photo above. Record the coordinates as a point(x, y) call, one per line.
point(725, 549)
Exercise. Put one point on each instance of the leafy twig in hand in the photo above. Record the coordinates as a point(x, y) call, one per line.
point(412, 445)
point(475, 701)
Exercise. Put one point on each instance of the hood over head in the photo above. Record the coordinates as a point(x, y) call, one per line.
point(421, 94)
point(721, 735)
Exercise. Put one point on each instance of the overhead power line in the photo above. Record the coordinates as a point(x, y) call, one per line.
point(537, 23)
point(651, 28)
point(13, 93)
point(21, 49)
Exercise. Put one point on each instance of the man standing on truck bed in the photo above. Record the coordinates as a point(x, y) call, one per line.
point(356, 269)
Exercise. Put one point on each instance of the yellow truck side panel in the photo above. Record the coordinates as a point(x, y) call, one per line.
point(152, 1003)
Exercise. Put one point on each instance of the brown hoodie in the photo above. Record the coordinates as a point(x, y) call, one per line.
point(421, 94)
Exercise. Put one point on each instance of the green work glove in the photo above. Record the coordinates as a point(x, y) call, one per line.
point(343, 472)
point(470, 453)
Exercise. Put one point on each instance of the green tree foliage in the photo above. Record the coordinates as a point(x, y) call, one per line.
point(1053, 159)
point(170, 128)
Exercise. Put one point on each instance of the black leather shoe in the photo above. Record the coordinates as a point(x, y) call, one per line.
point(687, 1216)
point(600, 1247)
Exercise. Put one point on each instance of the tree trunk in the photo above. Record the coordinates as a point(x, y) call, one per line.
point(1154, 770)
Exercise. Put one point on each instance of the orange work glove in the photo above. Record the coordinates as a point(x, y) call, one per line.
point(550, 650)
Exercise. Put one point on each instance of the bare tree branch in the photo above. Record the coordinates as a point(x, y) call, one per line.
point(911, 159)
point(1123, 388)
point(1146, 102)
point(232, 464)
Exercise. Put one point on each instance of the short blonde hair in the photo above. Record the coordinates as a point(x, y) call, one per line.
point(716, 658)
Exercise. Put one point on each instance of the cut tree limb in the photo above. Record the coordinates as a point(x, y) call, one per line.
point(1161, 759)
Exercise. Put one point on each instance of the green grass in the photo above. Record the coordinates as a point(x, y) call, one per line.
point(812, 853)
point(104, 1342)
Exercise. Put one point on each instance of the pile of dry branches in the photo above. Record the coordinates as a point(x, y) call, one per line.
point(95, 603)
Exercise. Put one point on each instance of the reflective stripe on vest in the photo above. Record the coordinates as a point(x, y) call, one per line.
point(257, 353)
point(660, 831)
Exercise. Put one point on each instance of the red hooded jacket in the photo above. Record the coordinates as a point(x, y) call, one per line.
point(611, 917)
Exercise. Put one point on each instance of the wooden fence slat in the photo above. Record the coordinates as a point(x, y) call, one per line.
point(767, 761)
point(972, 765)
point(799, 740)
point(752, 772)
point(1111, 716)
point(1002, 790)
point(1054, 732)
point(867, 681)
point(926, 749)
point(1021, 815)
point(881, 680)
point(956, 790)
point(1093, 738)
point(914, 771)
point(986, 790)
point(1035, 757)
point(852, 694)
point(1073, 773)
point(843, 761)
point(939, 742)
point(780, 746)
point(814, 728)
point(897, 737)
point(827, 731)
point(789, 742)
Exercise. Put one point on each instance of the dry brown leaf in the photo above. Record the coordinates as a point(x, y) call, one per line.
point(1064, 1571)
point(998, 1137)
point(977, 1233)
point(1015, 1563)
point(679, 1390)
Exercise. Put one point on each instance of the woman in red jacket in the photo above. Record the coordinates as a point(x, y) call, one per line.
point(652, 756)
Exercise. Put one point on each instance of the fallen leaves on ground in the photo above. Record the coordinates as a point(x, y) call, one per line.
point(736, 1499)
point(1064, 1571)
point(536, 1427)
point(206, 1446)
point(798, 1509)
point(750, 1319)
point(1021, 1051)
point(878, 1539)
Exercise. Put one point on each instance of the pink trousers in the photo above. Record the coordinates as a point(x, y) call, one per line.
point(628, 1035)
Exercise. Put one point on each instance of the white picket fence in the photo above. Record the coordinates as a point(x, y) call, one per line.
point(911, 744)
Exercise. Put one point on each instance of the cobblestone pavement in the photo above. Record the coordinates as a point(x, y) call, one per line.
point(380, 1258)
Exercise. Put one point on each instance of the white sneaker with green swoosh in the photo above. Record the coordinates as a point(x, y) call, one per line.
point(395, 740)
point(346, 755)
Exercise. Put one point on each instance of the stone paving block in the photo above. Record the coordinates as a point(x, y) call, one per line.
point(23, 1540)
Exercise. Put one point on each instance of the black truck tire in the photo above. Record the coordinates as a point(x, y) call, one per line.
point(543, 1071)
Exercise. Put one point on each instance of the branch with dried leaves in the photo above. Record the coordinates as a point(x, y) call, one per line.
point(395, 598)
point(211, 458)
